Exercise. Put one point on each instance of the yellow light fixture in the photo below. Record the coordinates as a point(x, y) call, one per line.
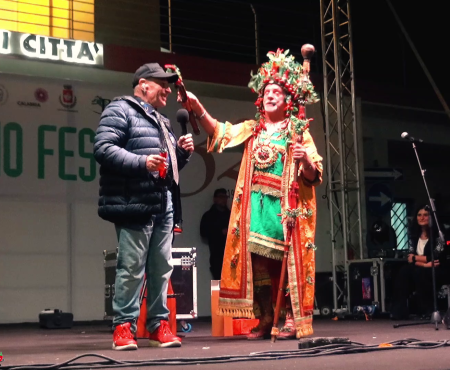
point(71, 19)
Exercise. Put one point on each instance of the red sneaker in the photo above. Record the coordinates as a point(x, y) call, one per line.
point(163, 337)
point(123, 339)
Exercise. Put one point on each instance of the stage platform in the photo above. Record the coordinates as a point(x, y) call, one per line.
point(27, 344)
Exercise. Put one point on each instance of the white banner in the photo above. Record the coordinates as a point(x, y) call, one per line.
point(49, 192)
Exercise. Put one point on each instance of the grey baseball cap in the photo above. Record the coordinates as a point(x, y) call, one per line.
point(153, 70)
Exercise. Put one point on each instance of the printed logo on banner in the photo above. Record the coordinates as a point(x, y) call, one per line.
point(41, 95)
point(98, 100)
point(3, 95)
point(68, 99)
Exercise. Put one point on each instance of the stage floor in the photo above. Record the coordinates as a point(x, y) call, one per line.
point(30, 345)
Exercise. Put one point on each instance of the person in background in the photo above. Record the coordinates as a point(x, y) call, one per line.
point(214, 227)
point(416, 276)
point(139, 159)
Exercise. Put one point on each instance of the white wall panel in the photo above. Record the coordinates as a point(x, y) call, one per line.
point(24, 305)
point(90, 236)
point(34, 260)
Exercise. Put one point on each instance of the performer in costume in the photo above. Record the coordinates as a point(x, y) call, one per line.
point(274, 140)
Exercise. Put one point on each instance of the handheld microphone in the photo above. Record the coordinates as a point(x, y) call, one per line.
point(182, 119)
point(406, 136)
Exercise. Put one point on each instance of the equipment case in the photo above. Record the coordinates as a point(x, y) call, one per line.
point(371, 282)
point(184, 282)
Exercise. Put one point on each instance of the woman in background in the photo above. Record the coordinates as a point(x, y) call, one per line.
point(416, 276)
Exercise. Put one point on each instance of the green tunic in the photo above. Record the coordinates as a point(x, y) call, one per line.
point(266, 231)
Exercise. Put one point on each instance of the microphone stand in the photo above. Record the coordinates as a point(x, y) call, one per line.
point(435, 317)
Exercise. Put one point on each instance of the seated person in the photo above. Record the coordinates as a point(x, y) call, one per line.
point(416, 276)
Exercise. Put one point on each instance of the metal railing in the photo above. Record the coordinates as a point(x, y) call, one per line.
point(242, 31)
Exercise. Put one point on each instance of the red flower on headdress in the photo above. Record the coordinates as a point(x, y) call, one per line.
point(289, 104)
point(277, 54)
point(261, 125)
point(275, 68)
point(259, 101)
point(170, 66)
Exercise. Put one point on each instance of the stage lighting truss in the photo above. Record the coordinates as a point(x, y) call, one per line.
point(342, 137)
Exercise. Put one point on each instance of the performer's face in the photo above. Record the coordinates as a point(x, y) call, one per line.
point(422, 217)
point(274, 98)
point(157, 91)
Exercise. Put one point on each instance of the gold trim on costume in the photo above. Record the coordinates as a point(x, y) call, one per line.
point(263, 251)
point(266, 190)
point(266, 174)
point(267, 239)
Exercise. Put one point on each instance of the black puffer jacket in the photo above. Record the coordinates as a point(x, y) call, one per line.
point(126, 135)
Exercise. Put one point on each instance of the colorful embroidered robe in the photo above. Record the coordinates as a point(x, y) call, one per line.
point(236, 287)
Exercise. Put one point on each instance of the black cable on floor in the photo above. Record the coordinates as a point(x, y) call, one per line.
point(330, 349)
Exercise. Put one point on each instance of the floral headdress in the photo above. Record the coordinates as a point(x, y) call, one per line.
point(282, 69)
point(172, 68)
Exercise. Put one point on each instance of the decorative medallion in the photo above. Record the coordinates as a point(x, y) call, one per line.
point(265, 155)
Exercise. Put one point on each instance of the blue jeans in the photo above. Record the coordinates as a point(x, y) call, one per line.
point(144, 249)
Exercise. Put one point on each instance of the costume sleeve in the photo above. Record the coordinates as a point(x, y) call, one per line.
point(311, 149)
point(227, 135)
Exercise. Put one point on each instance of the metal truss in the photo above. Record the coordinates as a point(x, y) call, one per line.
point(343, 169)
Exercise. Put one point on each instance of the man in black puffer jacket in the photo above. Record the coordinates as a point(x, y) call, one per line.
point(139, 159)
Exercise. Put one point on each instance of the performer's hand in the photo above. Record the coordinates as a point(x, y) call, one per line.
point(299, 153)
point(186, 142)
point(191, 102)
point(154, 162)
point(410, 258)
point(430, 264)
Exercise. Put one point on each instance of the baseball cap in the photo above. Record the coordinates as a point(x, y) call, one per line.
point(153, 70)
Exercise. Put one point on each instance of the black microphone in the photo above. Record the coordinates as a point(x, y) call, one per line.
point(406, 136)
point(182, 119)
